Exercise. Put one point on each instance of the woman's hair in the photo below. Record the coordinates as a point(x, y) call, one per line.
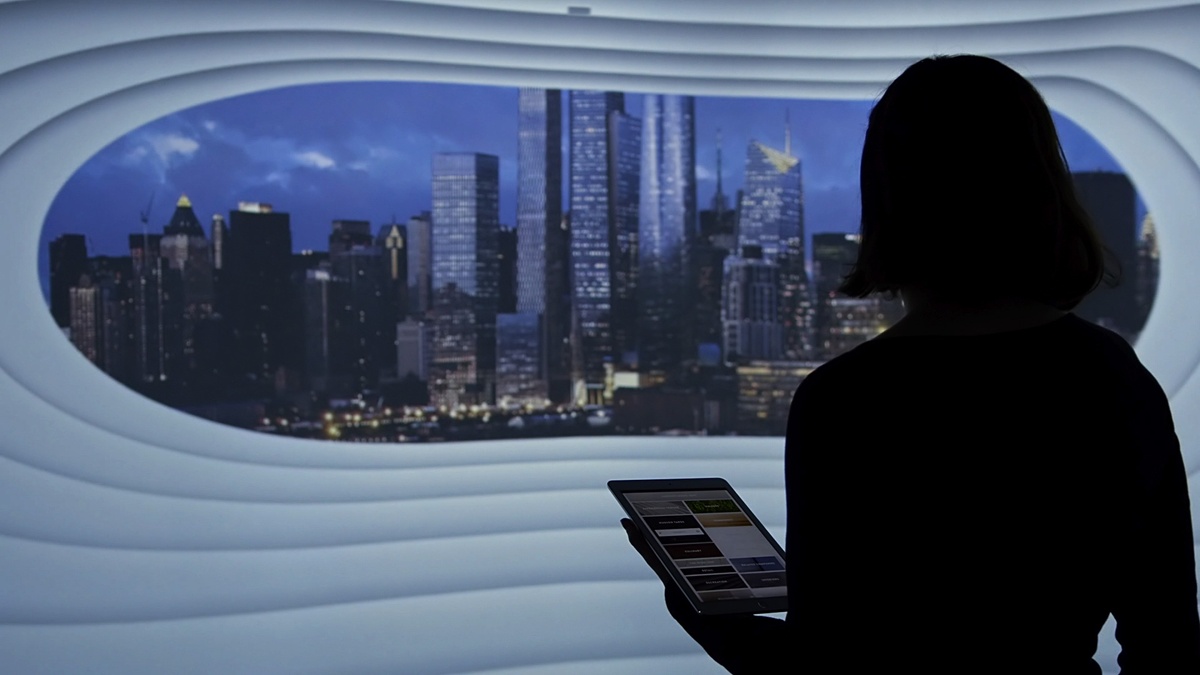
point(966, 193)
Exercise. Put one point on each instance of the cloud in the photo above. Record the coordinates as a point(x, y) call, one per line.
point(703, 173)
point(314, 159)
point(209, 125)
point(167, 146)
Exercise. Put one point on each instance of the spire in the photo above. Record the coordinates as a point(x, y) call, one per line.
point(787, 131)
point(719, 190)
point(184, 202)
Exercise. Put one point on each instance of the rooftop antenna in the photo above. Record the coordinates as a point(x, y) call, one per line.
point(719, 190)
point(145, 213)
point(787, 131)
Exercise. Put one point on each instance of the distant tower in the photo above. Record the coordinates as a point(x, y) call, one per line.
point(420, 265)
point(257, 277)
point(366, 324)
point(393, 240)
point(466, 277)
point(157, 314)
point(543, 249)
point(750, 323)
point(771, 217)
point(68, 260)
point(593, 196)
point(666, 230)
point(508, 270)
point(771, 206)
point(187, 252)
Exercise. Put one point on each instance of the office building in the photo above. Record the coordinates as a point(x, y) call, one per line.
point(420, 265)
point(466, 277)
point(157, 318)
point(257, 278)
point(764, 394)
point(393, 241)
point(519, 379)
point(750, 321)
point(624, 195)
point(834, 255)
point(189, 253)
point(414, 349)
point(508, 270)
point(592, 237)
point(543, 253)
point(364, 333)
point(68, 260)
point(667, 229)
point(771, 209)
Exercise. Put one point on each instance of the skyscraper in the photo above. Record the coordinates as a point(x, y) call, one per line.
point(365, 324)
point(257, 275)
point(592, 233)
point(420, 265)
point(666, 232)
point(624, 206)
point(771, 206)
point(508, 270)
point(518, 360)
point(716, 240)
point(187, 251)
point(834, 255)
point(750, 323)
point(157, 314)
point(542, 247)
point(771, 217)
point(393, 240)
point(68, 260)
point(466, 277)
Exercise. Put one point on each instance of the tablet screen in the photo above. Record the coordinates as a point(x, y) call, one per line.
point(713, 543)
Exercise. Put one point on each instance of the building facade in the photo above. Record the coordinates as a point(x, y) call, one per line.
point(466, 277)
point(592, 236)
point(667, 229)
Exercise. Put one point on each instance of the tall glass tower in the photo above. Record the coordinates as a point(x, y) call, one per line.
point(465, 226)
point(591, 233)
point(771, 208)
point(667, 225)
point(624, 204)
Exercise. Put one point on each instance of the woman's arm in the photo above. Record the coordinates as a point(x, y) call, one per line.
point(1155, 590)
point(758, 644)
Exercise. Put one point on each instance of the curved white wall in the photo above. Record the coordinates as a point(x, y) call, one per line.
point(134, 538)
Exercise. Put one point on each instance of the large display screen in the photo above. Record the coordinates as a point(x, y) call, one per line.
point(411, 262)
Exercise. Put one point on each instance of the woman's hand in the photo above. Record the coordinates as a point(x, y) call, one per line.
point(639, 543)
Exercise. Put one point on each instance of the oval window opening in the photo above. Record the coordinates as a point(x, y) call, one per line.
point(410, 262)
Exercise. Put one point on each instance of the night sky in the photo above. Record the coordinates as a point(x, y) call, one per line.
point(363, 151)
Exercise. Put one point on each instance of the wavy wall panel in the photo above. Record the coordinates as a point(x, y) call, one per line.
point(136, 539)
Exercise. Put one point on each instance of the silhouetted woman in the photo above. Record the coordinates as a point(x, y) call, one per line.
point(979, 487)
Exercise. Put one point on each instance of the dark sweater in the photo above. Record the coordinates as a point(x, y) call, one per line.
point(970, 504)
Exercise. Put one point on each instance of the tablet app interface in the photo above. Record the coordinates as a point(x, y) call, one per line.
point(713, 543)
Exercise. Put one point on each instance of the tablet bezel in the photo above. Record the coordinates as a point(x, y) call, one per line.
point(765, 605)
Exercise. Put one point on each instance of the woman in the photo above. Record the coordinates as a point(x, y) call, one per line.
point(979, 487)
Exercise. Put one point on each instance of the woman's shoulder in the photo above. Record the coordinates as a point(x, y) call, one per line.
point(1068, 343)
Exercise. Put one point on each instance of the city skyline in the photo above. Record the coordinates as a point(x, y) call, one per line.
point(618, 288)
point(363, 151)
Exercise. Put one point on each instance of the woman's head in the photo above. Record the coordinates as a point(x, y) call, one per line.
point(966, 194)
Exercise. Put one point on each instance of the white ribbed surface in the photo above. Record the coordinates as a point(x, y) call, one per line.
point(135, 539)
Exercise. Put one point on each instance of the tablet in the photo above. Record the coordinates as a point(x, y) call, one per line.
point(719, 554)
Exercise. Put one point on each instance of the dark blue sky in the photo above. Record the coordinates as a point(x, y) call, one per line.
point(363, 151)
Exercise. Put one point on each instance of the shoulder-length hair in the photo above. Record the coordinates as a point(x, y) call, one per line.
point(966, 193)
